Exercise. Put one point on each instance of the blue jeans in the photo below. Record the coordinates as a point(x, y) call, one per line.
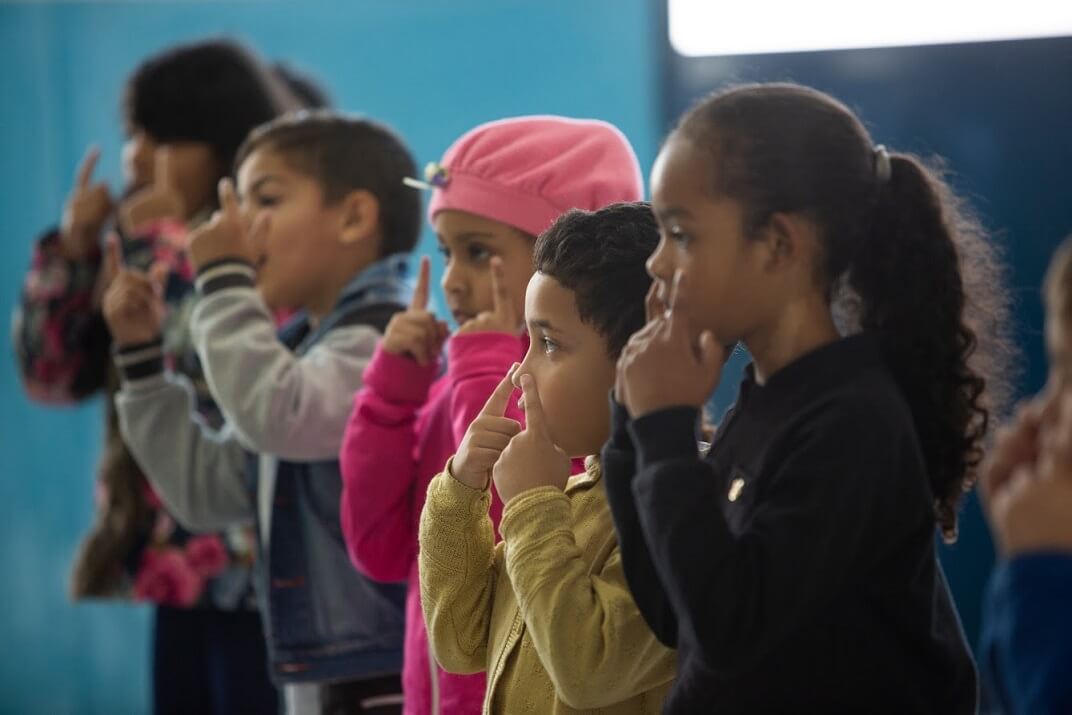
point(210, 661)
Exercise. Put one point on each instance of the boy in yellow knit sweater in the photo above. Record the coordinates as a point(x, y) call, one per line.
point(547, 612)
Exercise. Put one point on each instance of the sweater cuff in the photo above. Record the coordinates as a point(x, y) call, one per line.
point(447, 496)
point(481, 353)
point(223, 274)
point(619, 425)
point(534, 514)
point(141, 361)
point(50, 245)
point(1049, 571)
point(665, 434)
point(398, 378)
point(52, 274)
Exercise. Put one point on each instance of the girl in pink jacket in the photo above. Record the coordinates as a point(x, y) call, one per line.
point(498, 186)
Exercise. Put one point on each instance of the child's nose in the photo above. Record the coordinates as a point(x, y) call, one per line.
point(521, 369)
point(137, 164)
point(144, 155)
point(659, 264)
point(452, 281)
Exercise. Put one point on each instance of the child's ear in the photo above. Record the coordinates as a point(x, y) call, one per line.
point(788, 237)
point(359, 217)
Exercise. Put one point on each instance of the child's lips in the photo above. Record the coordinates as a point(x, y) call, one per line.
point(461, 317)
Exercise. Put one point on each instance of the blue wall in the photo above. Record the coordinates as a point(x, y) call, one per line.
point(999, 113)
point(431, 69)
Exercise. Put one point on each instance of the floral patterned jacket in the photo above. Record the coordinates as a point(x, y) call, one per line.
point(135, 548)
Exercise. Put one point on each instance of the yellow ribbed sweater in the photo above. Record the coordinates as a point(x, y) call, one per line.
point(546, 612)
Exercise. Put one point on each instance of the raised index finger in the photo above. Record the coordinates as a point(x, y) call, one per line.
point(229, 201)
point(679, 291)
point(654, 305)
point(534, 419)
point(499, 295)
point(162, 168)
point(113, 258)
point(678, 323)
point(420, 291)
point(496, 404)
point(84, 175)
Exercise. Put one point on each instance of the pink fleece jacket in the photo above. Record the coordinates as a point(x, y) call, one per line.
point(404, 427)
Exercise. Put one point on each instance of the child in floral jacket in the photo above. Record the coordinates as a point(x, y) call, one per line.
point(181, 137)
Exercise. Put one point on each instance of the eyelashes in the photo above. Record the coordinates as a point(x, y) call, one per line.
point(474, 253)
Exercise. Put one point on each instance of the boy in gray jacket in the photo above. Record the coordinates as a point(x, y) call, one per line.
point(324, 225)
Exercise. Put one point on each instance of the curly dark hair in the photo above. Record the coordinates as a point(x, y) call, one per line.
point(902, 258)
point(601, 256)
point(343, 153)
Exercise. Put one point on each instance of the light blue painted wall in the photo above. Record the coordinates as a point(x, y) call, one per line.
point(432, 69)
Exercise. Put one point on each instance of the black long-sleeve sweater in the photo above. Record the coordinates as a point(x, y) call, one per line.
point(794, 565)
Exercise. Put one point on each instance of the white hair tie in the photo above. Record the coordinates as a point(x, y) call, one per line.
point(882, 164)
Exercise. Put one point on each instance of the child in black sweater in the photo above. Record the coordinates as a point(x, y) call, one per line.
point(813, 584)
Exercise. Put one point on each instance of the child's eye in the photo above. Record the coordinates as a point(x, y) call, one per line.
point(265, 201)
point(549, 345)
point(444, 251)
point(678, 235)
point(478, 253)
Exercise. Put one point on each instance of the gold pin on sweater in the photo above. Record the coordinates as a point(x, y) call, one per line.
point(735, 489)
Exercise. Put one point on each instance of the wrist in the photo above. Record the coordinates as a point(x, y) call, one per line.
point(79, 244)
point(124, 343)
point(477, 482)
point(535, 513)
point(1055, 541)
point(139, 360)
point(665, 434)
point(221, 273)
point(398, 379)
point(511, 493)
point(651, 403)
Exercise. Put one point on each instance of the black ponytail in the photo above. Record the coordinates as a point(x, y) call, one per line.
point(928, 283)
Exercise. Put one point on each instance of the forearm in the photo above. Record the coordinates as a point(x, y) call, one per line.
point(281, 404)
point(457, 573)
point(619, 463)
point(198, 473)
point(61, 342)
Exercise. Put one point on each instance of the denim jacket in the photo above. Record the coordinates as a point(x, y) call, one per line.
point(286, 398)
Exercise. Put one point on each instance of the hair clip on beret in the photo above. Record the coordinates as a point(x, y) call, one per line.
point(436, 176)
